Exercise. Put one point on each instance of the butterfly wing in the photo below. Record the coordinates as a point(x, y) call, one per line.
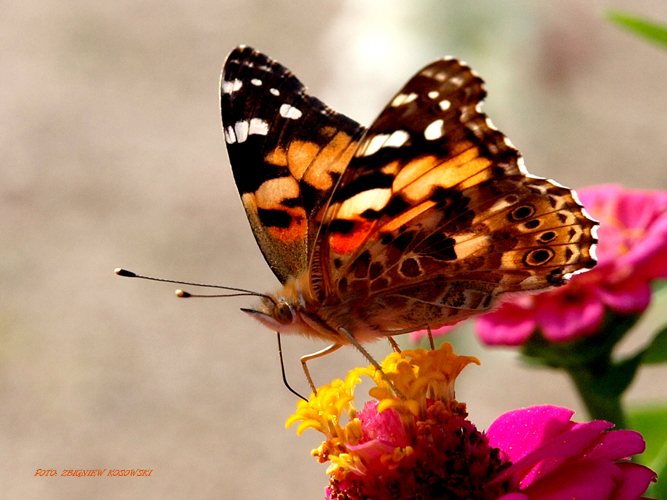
point(287, 151)
point(435, 215)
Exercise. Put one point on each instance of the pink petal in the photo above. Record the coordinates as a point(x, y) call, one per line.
point(422, 334)
point(580, 481)
point(519, 432)
point(514, 496)
point(629, 296)
point(373, 450)
point(509, 325)
point(561, 321)
point(386, 426)
point(556, 452)
point(636, 480)
point(655, 265)
point(595, 198)
point(618, 445)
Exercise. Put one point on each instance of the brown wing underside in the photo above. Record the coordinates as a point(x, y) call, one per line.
point(436, 216)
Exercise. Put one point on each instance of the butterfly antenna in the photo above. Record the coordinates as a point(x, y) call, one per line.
point(181, 293)
point(282, 369)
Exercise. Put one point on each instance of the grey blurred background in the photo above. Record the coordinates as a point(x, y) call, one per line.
point(112, 155)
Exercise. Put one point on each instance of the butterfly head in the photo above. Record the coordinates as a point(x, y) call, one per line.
point(291, 310)
point(278, 315)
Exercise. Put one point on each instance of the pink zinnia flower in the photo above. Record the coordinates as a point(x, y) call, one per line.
point(632, 252)
point(555, 458)
point(423, 446)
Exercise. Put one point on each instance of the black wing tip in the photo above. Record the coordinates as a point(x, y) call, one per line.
point(244, 54)
point(239, 50)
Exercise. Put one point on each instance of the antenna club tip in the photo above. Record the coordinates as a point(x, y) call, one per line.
point(182, 294)
point(124, 272)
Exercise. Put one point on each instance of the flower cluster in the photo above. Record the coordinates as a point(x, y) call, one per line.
point(421, 445)
point(632, 252)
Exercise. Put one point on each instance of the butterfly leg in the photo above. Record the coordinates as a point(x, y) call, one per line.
point(318, 354)
point(430, 338)
point(282, 369)
point(394, 345)
point(370, 358)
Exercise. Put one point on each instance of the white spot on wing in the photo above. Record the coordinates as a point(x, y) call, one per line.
point(434, 130)
point(287, 111)
point(397, 139)
point(241, 131)
point(433, 94)
point(256, 82)
point(373, 199)
point(231, 87)
point(274, 91)
point(401, 99)
point(374, 144)
point(230, 136)
point(456, 80)
point(444, 105)
point(258, 127)
point(522, 166)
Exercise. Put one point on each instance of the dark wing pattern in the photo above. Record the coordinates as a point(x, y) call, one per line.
point(287, 151)
point(435, 215)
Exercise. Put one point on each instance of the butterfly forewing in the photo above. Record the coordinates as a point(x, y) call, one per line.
point(287, 151)
point(435, 215)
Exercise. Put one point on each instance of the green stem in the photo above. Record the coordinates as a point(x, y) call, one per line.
point(601, 404)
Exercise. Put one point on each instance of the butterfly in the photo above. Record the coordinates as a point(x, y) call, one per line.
point(420, 221)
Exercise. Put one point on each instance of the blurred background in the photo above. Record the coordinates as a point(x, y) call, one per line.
point(111, 154)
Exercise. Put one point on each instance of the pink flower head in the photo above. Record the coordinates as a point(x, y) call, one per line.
point(422, 445)
point(554, 458)
point(632, 251)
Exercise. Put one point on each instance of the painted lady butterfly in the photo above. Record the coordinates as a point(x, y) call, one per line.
point(420, 221)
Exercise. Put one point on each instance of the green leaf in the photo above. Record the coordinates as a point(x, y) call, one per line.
point(650, 422)
point(659, 286)
point(656, 352)
point(653, 31)
point(659, 489)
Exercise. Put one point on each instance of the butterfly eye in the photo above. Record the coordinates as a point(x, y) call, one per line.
point(283, 313)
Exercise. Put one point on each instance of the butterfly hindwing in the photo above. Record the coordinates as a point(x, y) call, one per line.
point(287, 151)
point(435, 215)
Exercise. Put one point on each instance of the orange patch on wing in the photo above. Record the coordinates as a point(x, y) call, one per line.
point(299, 157)
point(453, 172)
point(273, 192)
point(407, 216)
point(413, 170)
point(346, 243)
point(297, 229)
point(332, 158)
point(277, 157)
point(481, 173)
point(392, 168)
